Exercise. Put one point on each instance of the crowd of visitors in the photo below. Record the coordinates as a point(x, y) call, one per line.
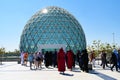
point(62, 60)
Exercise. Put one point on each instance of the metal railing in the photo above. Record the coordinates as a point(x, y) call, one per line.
point(9, 58)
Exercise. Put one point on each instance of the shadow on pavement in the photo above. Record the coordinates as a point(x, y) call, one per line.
point(119, 71)
point(66, 74)
point(101, 75)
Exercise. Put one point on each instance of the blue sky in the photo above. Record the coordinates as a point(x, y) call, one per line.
point(99, 18)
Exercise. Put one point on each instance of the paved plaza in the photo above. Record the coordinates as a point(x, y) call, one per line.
point(14, 71)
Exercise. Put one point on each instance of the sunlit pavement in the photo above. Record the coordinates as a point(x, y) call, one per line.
point(14, 71)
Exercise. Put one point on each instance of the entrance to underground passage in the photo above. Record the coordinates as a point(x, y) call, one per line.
point(51, 47)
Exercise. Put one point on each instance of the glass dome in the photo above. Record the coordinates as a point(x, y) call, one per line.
point(52, 26)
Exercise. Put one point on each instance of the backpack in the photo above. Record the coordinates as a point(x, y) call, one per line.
point(37, 58)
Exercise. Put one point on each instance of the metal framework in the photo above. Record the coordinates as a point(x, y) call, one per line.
point(52, 25)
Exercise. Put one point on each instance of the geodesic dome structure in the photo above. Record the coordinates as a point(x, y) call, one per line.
point(52, 25)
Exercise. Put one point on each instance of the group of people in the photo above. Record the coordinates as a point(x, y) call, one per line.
point(59, 59)
point(114, 60)
point(67, 59)
point(35, 59)
point(50, 59)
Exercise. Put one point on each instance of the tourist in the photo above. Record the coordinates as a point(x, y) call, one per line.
point(25, 58)
point(50, 58)
point(61, 61)
point(36, 60)
point(119, 58)
point(54, 58)
point(114, 60)
point(92, 58)
point(69, 59)
point(47, 62)
point(84, 56)
point(31, 59)
point(79, 59)
point(22, 58)
point(40, 59)
point(104, 60)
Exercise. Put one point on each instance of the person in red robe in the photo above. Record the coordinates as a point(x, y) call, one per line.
point(69, 59)
point(61, 61)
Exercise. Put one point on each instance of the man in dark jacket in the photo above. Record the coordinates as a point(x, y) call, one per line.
point(85, 60)
point(104, 60)
point(114, 61)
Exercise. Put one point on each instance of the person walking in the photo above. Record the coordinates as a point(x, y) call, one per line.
point(61, 61)
point(31, 60)
point(47, 62)
point(92, 58)
point(40, 56)
point(119, 58)
point(79, 59)
point(114, 60)
point(54, 58)
point(69, 59)
point(22, 58)
point(36, 59)
point(85, 60)
point(25, 58)
point(104, 60)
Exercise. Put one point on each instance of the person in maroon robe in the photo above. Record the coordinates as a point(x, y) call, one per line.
point(69, 59)
point(61, 60)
